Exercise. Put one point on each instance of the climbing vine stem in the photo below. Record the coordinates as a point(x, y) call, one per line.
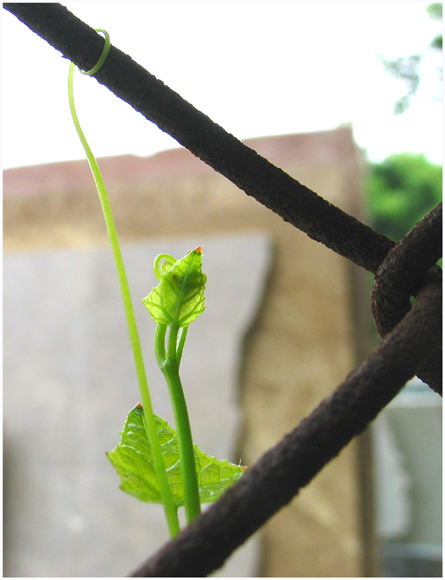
point(169, 507)
point(176, 302)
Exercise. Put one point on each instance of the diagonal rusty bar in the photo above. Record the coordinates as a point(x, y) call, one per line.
point(256, 176)
point(279, 475)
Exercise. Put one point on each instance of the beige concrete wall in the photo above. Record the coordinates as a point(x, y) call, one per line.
point(302, 344)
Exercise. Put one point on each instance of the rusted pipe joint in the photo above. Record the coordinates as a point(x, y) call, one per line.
point(408, 267)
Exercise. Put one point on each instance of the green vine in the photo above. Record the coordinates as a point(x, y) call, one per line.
point(169, 507)
point(174, 304)
point(156, 463)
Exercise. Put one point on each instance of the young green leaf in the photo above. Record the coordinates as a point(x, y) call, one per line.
point(179, 297)
point(133, 461)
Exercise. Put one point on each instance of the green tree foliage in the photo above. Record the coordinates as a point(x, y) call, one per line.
point(435, 12)
point(400, 191)
point(407, 68)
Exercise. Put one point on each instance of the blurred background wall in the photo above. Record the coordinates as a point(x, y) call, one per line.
point(300, 329)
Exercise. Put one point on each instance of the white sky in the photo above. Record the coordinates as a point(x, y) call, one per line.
point(257, 69)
